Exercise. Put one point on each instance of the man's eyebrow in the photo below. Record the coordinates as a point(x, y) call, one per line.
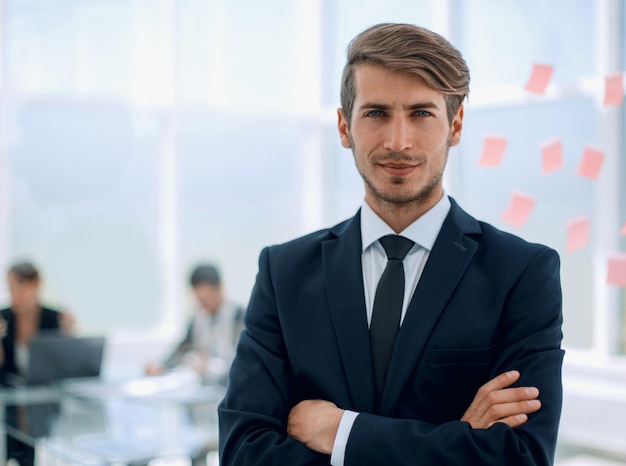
point(414, 106)
point(420, 105)
point(375, 105)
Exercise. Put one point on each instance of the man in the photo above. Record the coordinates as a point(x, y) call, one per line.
point(213, 331)
point(473, 375)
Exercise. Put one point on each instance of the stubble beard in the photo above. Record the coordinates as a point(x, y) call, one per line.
point(403, 199)
point(407, 198)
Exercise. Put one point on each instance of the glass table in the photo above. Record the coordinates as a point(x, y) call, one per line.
point(148, 421)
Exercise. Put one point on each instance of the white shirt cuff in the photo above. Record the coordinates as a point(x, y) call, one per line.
point(341, 440)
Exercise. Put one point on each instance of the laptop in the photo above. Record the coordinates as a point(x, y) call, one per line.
point(55, 357)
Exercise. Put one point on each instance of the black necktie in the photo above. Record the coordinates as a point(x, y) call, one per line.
point(388, 307)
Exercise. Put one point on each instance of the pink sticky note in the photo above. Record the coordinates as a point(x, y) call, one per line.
point(577, 233)
point(617, 270)
point(591, 163)
point(613, 89)
point(493, 151)
point(539, 78)
point(518, 210)
point(623, 230)
point(552, 155)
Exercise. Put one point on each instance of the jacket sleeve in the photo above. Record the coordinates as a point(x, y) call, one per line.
point(529, 340)
point(175, 358)
point(253, 414)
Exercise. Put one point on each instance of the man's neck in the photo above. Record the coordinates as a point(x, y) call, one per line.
point(400, 216)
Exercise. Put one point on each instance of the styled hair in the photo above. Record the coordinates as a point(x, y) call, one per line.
point(24, 272)
point(411, 49)
point(205, 274)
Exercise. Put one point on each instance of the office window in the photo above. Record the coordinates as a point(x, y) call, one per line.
point(501, 39)
point(247, 56)
point(622, 188)
point(78, 48)
point(81, 164)
point(571, 111)
point(82, 192)
point(239, 193)
point(150, 134)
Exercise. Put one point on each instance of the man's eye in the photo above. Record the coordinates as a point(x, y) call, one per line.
point(422, 113)
point(374, 113)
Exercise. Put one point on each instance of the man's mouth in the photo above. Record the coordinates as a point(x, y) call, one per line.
point(397, 168)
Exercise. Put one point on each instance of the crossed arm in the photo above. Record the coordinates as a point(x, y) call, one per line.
point(315, 422)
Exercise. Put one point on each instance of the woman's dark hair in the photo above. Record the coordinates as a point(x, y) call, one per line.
point(24, 272)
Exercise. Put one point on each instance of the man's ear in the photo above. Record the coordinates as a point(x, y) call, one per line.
point(344, 130)
point(456, 127)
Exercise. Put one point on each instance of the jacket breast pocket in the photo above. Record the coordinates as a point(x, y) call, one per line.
point(449, 379)
point(461, 356)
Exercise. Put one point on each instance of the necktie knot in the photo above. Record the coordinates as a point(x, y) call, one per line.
point(396, 247)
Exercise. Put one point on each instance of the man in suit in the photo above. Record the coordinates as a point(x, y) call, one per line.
point(474, 372)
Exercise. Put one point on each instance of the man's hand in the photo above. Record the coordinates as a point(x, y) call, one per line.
point(496, 403)
point(315, 423)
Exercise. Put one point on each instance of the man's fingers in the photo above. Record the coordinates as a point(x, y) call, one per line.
point(497, 413)
point(506, 395)
point(494, 402)
point(500, 411)
point(495, 392)
point(504, 380)
point(519, 413)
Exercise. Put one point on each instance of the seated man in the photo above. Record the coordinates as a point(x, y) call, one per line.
point(213, 331)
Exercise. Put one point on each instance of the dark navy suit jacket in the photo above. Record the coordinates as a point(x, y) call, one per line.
point(487, 302)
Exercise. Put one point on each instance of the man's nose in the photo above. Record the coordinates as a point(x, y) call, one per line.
point(399, 136)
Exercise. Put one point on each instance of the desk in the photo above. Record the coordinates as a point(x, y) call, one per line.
point(91, 422)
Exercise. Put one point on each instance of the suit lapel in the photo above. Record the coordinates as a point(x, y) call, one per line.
point(344, 282)
point(450, 256)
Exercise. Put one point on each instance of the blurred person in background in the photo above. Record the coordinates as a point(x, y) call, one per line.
point(208, 346)
point(24, 319)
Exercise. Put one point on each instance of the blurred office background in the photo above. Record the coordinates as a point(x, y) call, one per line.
point(139, 137)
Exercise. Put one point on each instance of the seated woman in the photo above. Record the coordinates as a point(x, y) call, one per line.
point(19, 323)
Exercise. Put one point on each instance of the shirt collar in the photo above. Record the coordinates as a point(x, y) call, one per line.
point(422, 231)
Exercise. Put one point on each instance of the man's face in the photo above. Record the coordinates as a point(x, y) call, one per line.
point(400, 135)
point(209, 296)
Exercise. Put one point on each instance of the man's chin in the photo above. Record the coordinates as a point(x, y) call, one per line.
point(403, 198)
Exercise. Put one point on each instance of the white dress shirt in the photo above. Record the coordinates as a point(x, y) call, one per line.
point(423, 232)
